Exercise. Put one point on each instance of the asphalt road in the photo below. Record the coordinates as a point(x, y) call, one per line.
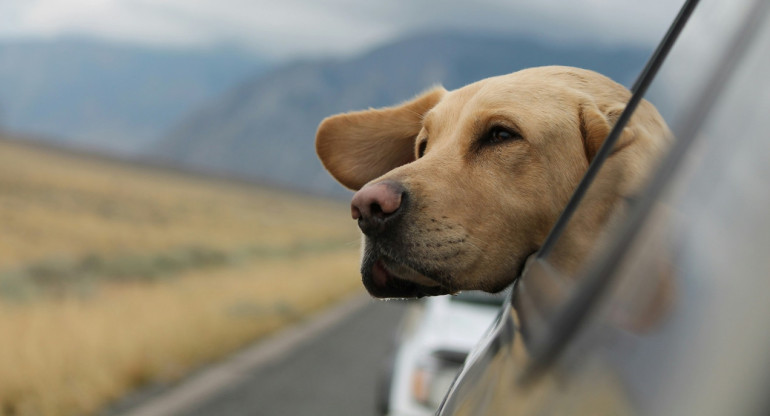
point(330, 370)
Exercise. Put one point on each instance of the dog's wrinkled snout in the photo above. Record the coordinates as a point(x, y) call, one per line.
point(377, 205)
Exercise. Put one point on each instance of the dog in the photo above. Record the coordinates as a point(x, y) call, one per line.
point(456, 189)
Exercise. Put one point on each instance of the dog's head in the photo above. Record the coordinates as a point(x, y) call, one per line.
point(457, 188)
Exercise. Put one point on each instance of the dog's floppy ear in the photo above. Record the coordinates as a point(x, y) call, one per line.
point(596, 124)
point(359, 146)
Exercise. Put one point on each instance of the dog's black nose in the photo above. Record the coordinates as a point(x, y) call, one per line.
point(377, 205)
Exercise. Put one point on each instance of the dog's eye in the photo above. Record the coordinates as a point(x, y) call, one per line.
point(421, 148)
point(500, 134)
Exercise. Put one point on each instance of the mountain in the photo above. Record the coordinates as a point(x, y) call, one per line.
point(108, 96)
point(265, 128)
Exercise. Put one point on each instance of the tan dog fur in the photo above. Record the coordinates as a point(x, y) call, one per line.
point(478, 207)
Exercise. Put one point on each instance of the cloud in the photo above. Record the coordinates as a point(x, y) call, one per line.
point(287, 28)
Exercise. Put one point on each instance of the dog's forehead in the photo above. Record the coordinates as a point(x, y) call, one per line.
point(520, 89)
point(525, 96)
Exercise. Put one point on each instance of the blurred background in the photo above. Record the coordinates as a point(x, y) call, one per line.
point(161, 205)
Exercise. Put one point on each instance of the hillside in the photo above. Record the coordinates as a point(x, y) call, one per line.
point(65, 206)
point(265, 127)
point(108, 96)
point(114, 276)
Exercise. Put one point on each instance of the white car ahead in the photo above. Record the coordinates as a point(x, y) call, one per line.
point(434, 338)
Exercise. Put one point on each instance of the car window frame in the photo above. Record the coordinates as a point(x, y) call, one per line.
point(638, 91)
point(597, 277)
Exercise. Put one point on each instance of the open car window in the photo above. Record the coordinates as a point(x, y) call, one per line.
point(687, 77)
point(707, 28)
point(577, 238)
point(668, 316)
point(679, 294)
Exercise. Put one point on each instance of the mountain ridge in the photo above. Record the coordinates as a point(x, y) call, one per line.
point(108, 96)
point(265, 127)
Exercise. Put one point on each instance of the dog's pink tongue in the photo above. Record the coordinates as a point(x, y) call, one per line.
point(379, 274)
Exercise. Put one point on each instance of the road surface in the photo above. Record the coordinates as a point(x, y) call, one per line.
point(326, 366)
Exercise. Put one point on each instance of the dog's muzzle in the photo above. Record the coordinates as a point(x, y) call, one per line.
point(379, 209)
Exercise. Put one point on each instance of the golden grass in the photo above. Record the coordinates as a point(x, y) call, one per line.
point(70, 353)
point(54, 204)
point(71, 356)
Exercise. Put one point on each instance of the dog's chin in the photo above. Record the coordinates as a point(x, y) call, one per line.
point(384, 278)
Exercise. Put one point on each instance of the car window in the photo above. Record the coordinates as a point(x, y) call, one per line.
point(590, 218)
point(609, 182)
point(683, 327)
point(678, 98)
point(699, 47)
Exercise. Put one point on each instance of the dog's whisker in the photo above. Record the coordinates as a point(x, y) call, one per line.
point(471, 241)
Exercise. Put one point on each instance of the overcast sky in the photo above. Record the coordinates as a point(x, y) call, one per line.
point(290, 28)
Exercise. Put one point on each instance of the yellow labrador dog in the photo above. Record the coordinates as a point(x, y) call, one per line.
point(455, 189)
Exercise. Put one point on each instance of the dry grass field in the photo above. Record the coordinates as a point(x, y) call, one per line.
point(113, 275)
